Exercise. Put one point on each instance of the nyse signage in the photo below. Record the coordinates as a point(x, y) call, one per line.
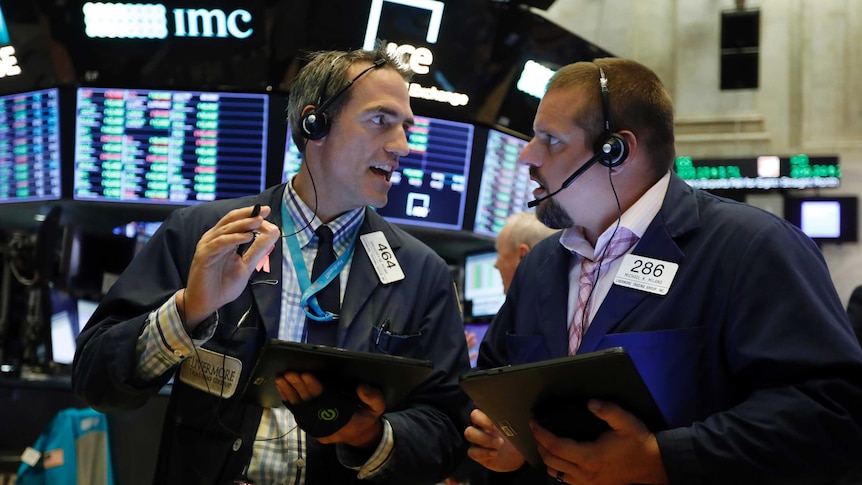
point(387, 19)
point(158, 21)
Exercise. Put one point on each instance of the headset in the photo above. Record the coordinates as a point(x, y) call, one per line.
point(315, 124)
point(610, 150)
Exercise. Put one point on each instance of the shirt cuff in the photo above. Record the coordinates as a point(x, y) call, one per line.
point(352, 457)
point(164, 343)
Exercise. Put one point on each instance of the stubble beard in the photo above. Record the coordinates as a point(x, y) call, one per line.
point(553, 215)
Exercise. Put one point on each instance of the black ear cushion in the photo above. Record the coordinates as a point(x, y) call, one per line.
point(613, 150)
point(314, 125)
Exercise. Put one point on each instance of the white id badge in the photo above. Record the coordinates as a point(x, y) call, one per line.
point(211, 372)
point(646, 274)
point(382, 257)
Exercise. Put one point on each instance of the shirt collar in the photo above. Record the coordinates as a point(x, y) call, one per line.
point(636, 219)
point(342, 226)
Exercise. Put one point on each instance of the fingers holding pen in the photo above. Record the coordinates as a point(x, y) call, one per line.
point(218, 274)
point(243, 226)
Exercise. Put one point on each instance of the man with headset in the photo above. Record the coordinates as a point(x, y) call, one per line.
point(217, 280)
point(741, 339)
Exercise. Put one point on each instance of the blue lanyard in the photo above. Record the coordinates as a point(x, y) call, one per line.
point(309, 289)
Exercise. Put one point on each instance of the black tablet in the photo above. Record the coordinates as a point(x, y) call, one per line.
point(395, 376)
point(555, 392)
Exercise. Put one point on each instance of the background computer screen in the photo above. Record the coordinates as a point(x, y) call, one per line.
point(91, 261)
point(483, 286)
point(68, 317)
point(505, 186)
point(30, 146)
point(824, 219)
point(169, 146)
point(429, 188)
point(292, 158)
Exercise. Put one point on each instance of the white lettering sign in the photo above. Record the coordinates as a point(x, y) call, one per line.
point(213, 23)
point(8, 62)
point(434, 6)
point(150, 21)
point(417, 58)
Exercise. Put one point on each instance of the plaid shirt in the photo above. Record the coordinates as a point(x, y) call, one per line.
point(279, 447)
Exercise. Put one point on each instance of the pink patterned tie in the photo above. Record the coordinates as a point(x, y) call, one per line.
point(622, 241)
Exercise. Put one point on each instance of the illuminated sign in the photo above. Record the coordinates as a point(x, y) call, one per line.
point(4, 31)
point(534, 79)
point(760, 173)
point(8, 61)
point(434, 6)
point(418, 59)
point(150, 21)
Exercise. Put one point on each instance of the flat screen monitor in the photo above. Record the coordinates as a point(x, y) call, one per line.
point(824, 219)
point(430, 186)
point(169, 146)
point(505, 186)
point(292, 158)
point(483, 286)
point(30, 146)
point(68, 318)
point(478, 331)
point(140, 231)
point(764, 172)
point(91, 261)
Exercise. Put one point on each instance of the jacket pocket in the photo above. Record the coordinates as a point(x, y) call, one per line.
point(673, 365)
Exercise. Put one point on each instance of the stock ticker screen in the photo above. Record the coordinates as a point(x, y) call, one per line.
point(169, 146)
point(505, 186)
point(430, 186)
point(765, 172)
point(30, 146)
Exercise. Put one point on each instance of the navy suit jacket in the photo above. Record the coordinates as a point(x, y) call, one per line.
point(207, 439)
point(750, 354)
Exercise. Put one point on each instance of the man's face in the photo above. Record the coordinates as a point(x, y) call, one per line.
point(558, 148)
point(367, 138)
point(507, 258)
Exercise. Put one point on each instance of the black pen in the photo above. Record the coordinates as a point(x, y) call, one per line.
point(384, 327)
point(242, 248)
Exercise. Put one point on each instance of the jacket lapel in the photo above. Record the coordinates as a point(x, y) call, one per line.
point(677, 216)
point(553, 303)
point(266, 287)
point(362, 280)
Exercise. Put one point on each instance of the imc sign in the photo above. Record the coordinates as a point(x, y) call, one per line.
point(155, 21)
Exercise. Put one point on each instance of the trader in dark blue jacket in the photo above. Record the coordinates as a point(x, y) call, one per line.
point(195, 305)
point(728, 311)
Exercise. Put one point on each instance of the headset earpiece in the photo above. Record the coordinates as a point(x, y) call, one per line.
point(611, 149)
point(314, 125)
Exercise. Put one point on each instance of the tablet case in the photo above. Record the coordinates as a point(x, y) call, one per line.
point(555, 392)
point(396, 376)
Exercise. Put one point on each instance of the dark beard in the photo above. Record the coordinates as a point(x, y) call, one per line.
point(553, 216)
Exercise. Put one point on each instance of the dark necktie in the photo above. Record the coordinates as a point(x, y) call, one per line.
point(328, 298)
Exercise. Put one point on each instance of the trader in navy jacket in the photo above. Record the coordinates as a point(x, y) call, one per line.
point(197, 306)
point(728, 312)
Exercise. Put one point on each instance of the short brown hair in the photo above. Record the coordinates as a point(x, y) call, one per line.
point(638, 103)
point(330, 68)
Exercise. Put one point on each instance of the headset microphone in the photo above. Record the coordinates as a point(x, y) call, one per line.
point(611, 149)
point(569, 181)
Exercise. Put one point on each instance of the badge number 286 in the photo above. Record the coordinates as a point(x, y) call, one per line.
point(646, 274)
